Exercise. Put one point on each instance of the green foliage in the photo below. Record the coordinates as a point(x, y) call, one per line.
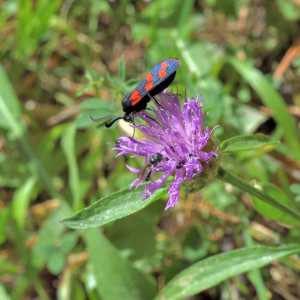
point(68, 146)
point(295, 188)
point(121, 69)
point(214, 270)
point(110, 208)
point(62, 61)
point(274, 101)
point(95, 107)
point(246, 142)
point(109, 266)
point(272, 212)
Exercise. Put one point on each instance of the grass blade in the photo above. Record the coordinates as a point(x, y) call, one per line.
point(20, 201)
point(68, 146)
point(11, 114)
point(273, 100)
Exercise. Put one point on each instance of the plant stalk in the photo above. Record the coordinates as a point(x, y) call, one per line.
point(236, 181)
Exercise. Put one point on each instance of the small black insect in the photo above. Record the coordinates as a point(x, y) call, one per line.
point(180, 164)
point(145, 173)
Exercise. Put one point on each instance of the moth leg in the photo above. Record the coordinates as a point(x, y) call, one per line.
point(158, 103)
point(153, 120)
point(133, 127)
point(161, 106)
point(147, 108)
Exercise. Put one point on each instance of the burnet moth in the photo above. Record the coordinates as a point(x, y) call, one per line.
point(157, 80)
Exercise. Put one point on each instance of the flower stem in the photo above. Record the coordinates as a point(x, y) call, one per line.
point(229, 177)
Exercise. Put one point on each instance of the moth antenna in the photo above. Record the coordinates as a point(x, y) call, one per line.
point(101, 119)
point(107, 125)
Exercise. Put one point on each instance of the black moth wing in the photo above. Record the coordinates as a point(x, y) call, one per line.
point(160, 84)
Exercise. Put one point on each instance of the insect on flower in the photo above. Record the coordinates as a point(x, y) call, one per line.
point(184, 143)
point(157, 80)
point(145, 173)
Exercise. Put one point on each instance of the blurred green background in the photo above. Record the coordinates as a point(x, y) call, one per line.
point(242, 56)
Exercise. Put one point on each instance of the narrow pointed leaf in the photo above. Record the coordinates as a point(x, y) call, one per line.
point(213, 270)
point(10, 115)
point(68, 146)
point(273, 100)
point(110, 208)
point(21, 199)
point(247, 142)
point(122, 68)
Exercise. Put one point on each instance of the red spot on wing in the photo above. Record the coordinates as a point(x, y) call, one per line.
point(135, 97)
point(162, 74)
point(164, 65)
point(134, 94)
point(149, 77)
point(149, 86)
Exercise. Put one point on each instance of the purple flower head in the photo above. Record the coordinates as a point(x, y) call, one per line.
point(181, 140)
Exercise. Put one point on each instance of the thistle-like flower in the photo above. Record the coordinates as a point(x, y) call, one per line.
point(184, 144)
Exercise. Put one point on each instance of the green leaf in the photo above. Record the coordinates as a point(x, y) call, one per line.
point(97, 104)
point(254, 275)
point(270, 211)
point(56, 263)
point(122, 68)
point(132, 82)
point(295, 188)
point(21, 288)
point(200, 57)
point(244, 94)
point(68, 242)
point(3, 293)
point(42, 251)
point(273, 100)
point(10, 111)
point(213, 270)
point(116, 83)
point(185, 13)
point(93, 75)
point(4, 218)
point(68, 146)
point(86, 87)
point(289, 10)
point(116, 277)
point(228, 7)
point(110, 208)
point(247, 142)
point(229, 177)
point(21, 201)
point(130, 85)
point(136, 232)
point(48, 235)
point(32, 21)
